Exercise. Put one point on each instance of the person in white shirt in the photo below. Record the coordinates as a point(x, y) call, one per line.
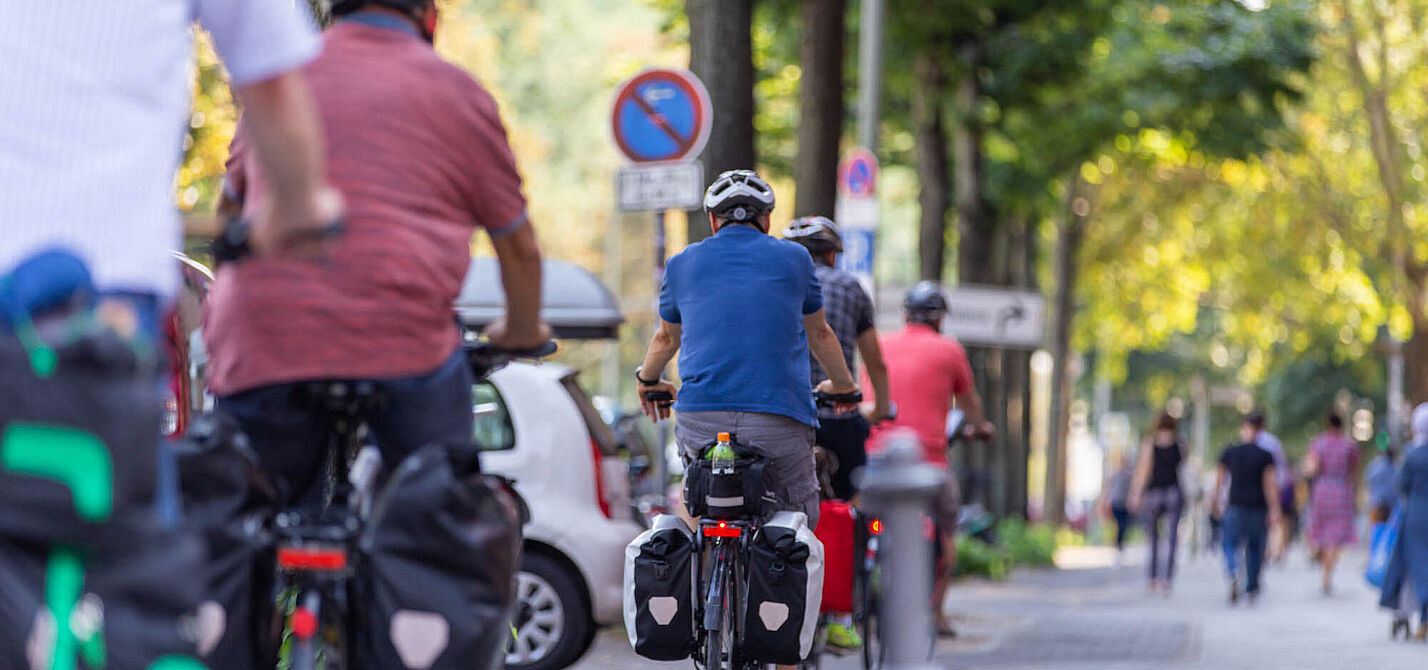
point(94, 103)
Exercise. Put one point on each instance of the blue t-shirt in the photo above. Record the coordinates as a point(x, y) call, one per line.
point(740, 298)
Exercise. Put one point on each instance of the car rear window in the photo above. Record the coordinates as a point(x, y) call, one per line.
point(599, 431)
point(494, 430)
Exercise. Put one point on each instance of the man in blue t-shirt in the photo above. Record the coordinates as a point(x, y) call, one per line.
point(743, 310)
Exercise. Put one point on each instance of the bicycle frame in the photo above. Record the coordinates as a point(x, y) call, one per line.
point(725, 542)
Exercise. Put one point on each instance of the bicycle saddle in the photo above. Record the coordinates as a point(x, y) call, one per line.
point(343, 398)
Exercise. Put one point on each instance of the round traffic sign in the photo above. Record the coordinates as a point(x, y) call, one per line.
point(858, 173)
point(661, 115)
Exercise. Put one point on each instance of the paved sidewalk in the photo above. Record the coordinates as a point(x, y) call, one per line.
point(1092, 616)
point(1102, 618)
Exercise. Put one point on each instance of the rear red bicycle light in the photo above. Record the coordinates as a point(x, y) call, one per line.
point(312, 559)
point(876, 526)
point(304, 623)
point(722, 530)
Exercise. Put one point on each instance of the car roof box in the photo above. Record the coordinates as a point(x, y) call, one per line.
point(573, 301)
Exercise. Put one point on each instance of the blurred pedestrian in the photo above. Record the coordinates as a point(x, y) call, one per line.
point(1333, 464)
point(1253, 507)
point(1381, 476)
point(1157, 497)
point(1115, 500)
point(1282, 533)
point(1405, 586)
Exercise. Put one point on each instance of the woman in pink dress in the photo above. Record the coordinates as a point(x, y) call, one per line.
point(1333, 464)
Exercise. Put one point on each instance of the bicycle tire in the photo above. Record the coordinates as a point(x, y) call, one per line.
point(869, 628)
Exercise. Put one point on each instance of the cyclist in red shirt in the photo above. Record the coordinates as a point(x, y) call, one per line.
point(927, 373)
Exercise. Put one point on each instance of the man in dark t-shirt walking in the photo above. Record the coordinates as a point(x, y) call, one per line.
point(1253, 508)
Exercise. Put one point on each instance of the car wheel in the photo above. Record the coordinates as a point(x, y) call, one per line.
point(553, 627)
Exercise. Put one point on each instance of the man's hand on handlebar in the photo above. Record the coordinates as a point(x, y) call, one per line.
point(827, 387)
point(504, 336)
point(657, 399)
point(304, 231)
point(881, 411)
point(979, 431)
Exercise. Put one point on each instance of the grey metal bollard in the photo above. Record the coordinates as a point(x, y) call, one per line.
point(899, 489)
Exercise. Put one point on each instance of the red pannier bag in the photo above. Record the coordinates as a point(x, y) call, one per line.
point(836, 525)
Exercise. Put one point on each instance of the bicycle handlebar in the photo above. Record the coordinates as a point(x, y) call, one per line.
point(234, 243)
point(830, 399)
point(486, 357)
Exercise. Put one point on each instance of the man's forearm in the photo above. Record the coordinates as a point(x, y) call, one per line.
point(520, 260)
point(971, 405)
point(824, 344)
point(663, 345)
point(281, 117)
point(877, 369)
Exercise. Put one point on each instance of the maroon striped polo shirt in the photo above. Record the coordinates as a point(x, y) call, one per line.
point(418, 149)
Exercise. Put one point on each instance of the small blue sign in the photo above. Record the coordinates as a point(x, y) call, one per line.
point(661, 115)
point(859, 245)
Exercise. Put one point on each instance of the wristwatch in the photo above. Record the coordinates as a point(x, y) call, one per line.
point(642, 380)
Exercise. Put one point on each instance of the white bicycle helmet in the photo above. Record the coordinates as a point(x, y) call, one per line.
point(739, 196)
point(818, 233)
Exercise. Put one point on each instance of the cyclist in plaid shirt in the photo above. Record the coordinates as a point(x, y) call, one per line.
point(849, 311)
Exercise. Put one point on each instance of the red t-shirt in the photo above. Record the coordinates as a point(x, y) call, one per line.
point(925, 371)
point(418, 150)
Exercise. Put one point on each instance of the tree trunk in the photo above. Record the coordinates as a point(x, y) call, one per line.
point(975, 250)
point(1017, 373)
point(721, 54)
point(1068, 246)
point(820, 104)
point(931, 147)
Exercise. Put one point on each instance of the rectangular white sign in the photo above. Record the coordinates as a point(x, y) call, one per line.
point(996, 317)
point(659, 186)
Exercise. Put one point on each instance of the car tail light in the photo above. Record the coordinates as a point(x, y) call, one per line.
point(312, 559)
point(598, 460)
point(721, 530)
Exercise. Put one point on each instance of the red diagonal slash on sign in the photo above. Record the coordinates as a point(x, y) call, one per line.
point(662, 123)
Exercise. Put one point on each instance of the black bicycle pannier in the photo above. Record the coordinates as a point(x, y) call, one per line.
point(229, 501)
point(785, 590)
point(736, 489)
point(129, 611)
point(441, 553)
point(100, 409)
point(659, 590)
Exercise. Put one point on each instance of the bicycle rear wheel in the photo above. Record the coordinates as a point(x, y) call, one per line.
point(868, 625)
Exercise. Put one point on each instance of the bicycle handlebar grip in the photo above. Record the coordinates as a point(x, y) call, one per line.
point(234, 243)
point(828, 399)
point(662, 397)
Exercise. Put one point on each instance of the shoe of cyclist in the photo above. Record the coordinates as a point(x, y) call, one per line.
point(843, 636)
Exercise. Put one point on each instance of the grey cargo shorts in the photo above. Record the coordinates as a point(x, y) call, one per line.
point(787, 444)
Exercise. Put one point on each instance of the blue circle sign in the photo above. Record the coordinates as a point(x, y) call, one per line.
point(661, 115)
point(858, 173)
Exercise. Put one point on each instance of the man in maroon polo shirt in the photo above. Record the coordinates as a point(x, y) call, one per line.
point(418, 149)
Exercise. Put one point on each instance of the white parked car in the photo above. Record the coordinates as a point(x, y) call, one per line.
point(539, 428)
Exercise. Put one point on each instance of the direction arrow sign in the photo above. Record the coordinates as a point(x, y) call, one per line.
point(995, 317)
point(661, 115)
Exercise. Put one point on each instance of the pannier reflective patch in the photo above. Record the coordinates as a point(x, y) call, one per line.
point(773, 615)
point(212, 620)
point(419, 637)
point(736, 501)
point(663, 609)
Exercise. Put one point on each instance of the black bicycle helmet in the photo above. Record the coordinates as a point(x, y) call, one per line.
point(819, 233)
point(925, 303)
point(739, 196)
